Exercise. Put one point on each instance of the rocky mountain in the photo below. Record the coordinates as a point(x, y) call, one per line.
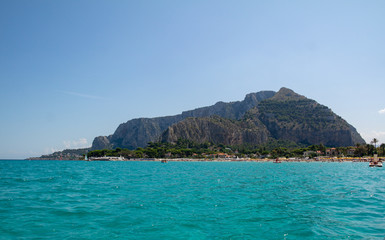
point(259, 118)
point(285, 116)
point(138, 132)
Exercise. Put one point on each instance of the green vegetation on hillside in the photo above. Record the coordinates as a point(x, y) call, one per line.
point(188, 149)
point(295, 113)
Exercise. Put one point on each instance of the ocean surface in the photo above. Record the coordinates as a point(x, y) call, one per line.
point(190, 200)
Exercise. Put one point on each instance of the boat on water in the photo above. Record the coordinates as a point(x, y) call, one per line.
point(163, 161)
point(375, 162)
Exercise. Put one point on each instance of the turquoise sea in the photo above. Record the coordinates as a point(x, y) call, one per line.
point(190, 200)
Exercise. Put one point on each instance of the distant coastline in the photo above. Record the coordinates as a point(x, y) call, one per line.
point(280, 160)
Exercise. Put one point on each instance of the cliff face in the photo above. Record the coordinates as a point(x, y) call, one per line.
point(217, 130)
point(138, 132)
point(101, 142)
point(285, 116)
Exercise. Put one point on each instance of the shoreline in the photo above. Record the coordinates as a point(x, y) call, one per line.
point(277, 160)
point(280, 160)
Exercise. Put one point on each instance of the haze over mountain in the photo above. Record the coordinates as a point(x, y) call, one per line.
point(259, 118)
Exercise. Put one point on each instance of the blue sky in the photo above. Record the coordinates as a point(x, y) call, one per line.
point(73, 70)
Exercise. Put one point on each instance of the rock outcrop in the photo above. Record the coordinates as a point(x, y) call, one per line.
point(101, 142)
point(217, 130)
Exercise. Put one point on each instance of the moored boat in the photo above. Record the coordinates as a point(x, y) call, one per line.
point(375, 162)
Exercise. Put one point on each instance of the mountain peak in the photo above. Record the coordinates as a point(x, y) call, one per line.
point(254, 98)
point(287, 94)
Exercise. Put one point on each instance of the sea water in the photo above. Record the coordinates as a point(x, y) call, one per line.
point(190, 200)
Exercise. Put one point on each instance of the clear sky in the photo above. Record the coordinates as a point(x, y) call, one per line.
point(72, 70)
